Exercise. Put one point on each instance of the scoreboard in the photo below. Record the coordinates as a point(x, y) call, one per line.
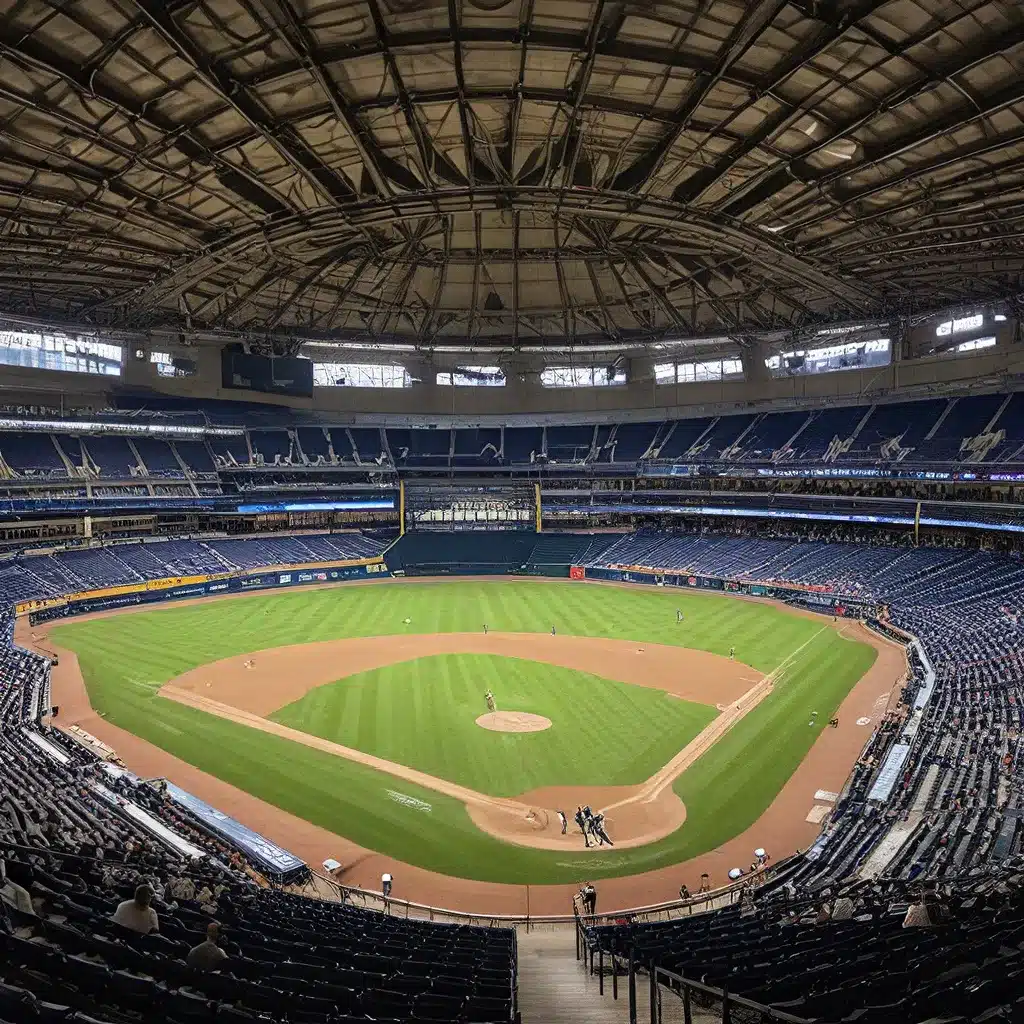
point(455, 507)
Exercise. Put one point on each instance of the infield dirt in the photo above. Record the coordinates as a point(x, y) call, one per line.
point(247, 687)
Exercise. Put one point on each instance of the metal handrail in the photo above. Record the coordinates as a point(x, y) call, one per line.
point(686, 989)
point(409, 908)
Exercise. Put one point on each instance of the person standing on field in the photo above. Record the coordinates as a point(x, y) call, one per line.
point(565, 823)
point(582, 822)
point(732, 653)
point(485, 629)
point(589, 895)
point(597, 827)
point(552, 630)
point(679, 615)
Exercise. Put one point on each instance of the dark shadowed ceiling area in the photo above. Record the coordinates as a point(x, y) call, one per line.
point(526, 171)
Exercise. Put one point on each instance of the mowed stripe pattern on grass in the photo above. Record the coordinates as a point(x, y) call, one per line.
point(126, 658)
point(422, 713)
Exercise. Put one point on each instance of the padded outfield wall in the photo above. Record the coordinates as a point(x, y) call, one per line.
point(180, 588)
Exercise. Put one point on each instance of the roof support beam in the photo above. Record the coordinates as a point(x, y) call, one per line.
point(516, 107)
point(845, 195)
point(610, 327)
point(433, 164)
point(238, 180)
point(759, 16)
point(568, 311)
point(800, 169)
point(379, 167)
point(428, 329)
point(572, 145)
point(832, 29)
point(539, 39)
point(327, 320)
point(478, 260)
point(283, 140)
point(469, 156)
point(515, 276)
point(244, 295)
point(599, 206)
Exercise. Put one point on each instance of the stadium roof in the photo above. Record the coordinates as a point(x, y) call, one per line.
point(532, 172)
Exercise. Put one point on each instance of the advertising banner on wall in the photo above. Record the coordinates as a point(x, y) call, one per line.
point(202, 586)
point(267, 856)
point(811, 597)
point(577, 572)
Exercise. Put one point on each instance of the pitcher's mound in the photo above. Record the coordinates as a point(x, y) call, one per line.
point(513, 721)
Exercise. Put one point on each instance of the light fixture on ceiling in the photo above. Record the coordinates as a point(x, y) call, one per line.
point(838, 149)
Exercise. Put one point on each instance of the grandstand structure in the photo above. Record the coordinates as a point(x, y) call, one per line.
point(719, 295)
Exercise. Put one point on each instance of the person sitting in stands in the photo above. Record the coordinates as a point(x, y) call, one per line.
point(182, 888)
point(843, 909)
point(926, 913)
point(13, 894)
point(136, 914)
point(207, 956)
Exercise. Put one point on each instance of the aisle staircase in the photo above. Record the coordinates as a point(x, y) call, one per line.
point(555, 986)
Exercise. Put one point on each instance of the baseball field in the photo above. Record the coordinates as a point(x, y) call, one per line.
point(359, 709)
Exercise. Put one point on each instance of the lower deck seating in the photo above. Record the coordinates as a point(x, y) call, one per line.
point(71, 854)
point(844, 954)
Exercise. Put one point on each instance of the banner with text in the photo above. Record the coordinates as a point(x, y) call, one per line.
point(268, 858)
point(190, 587)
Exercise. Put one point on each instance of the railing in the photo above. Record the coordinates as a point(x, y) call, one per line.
point(704, 1000)
point(667, 911)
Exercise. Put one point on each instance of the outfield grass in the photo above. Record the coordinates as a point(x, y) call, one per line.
point(126, 658)
point(422, 713)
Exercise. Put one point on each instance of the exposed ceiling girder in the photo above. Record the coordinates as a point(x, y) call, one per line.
point(611, 206)
point(760, 14)
point(389, 170)
point(540, 38)
point(288, 144)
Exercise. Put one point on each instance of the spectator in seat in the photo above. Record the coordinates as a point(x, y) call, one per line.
point(182, 888)
point(13, 894)
point(843, 909)
point(137, 914)
point(207, 956)
point(926, 913)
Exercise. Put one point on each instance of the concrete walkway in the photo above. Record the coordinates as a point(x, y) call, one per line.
point(553, 986)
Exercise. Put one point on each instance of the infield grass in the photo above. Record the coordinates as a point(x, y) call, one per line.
point(422, 713)
point(126, 658)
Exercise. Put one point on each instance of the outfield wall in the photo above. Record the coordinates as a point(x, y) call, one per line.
point(179, 588)
point(813, 599)
point(274, 578)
